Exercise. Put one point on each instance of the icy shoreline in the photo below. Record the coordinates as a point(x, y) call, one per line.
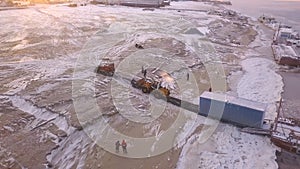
point(228, 147)
point(51, 87)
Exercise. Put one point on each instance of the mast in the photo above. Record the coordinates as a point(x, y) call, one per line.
point(277, 117)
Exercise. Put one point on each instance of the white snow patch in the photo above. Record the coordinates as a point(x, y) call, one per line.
point(187, 129)
point(228, 148)
point(261, 83)
point(26, 59)
point(203, 30)
point(46, 87)
point(48, 135)
point(42, 113)
point(191, 5)
point(8, 128)
point(17, 85)
point(72, 150)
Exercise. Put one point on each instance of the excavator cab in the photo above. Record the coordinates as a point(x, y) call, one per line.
point(143, 84)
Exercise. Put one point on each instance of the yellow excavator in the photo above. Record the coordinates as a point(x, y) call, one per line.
point(150, 86)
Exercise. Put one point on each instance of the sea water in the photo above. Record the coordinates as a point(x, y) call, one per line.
point(285, 11)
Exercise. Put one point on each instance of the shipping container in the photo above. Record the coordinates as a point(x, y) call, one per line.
point(234, 110)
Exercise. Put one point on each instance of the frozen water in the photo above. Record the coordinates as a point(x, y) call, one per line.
point(261, 83)
point(228, 148)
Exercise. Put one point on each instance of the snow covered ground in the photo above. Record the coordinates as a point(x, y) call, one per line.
point(40, 49)
point(261, 83)
point(228, 147)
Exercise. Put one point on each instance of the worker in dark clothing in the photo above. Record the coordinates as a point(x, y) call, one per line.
point(139, 46)
point(291, 135)
point(187, 76)
point(145, 73)
point(117, 146)
point(124, 146)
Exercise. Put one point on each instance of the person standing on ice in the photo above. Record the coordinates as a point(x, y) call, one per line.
point(145, 73)
point(187, 76)
point(117, 146)
point(124, 146)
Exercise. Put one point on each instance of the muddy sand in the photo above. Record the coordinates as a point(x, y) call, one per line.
point(38, 121)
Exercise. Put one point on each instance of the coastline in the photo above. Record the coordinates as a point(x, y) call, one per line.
point(246, 66)
point(291, 106)
point(258, 69)
point(286, 12)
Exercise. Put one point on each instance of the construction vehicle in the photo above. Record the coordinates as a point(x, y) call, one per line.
point(106, 68)
point(150, 86)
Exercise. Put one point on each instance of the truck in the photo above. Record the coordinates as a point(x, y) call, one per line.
point(106, 68)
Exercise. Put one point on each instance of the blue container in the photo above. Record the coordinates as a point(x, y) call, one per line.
point(237, 111)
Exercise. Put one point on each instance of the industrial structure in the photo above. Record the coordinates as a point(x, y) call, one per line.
point(286, 46)
point(238, 111)
point(234, 110)
point(285, 132)
point(135, 3)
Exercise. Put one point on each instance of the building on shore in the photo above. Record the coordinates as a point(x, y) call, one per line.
point(221, 2)
point(284, 35)
point(286, 55)
point(3, 3)
point(134, 3)
point(14, 3)
point(21, 2)
point(269, 21)
point(58, 1)
point(286, 46)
